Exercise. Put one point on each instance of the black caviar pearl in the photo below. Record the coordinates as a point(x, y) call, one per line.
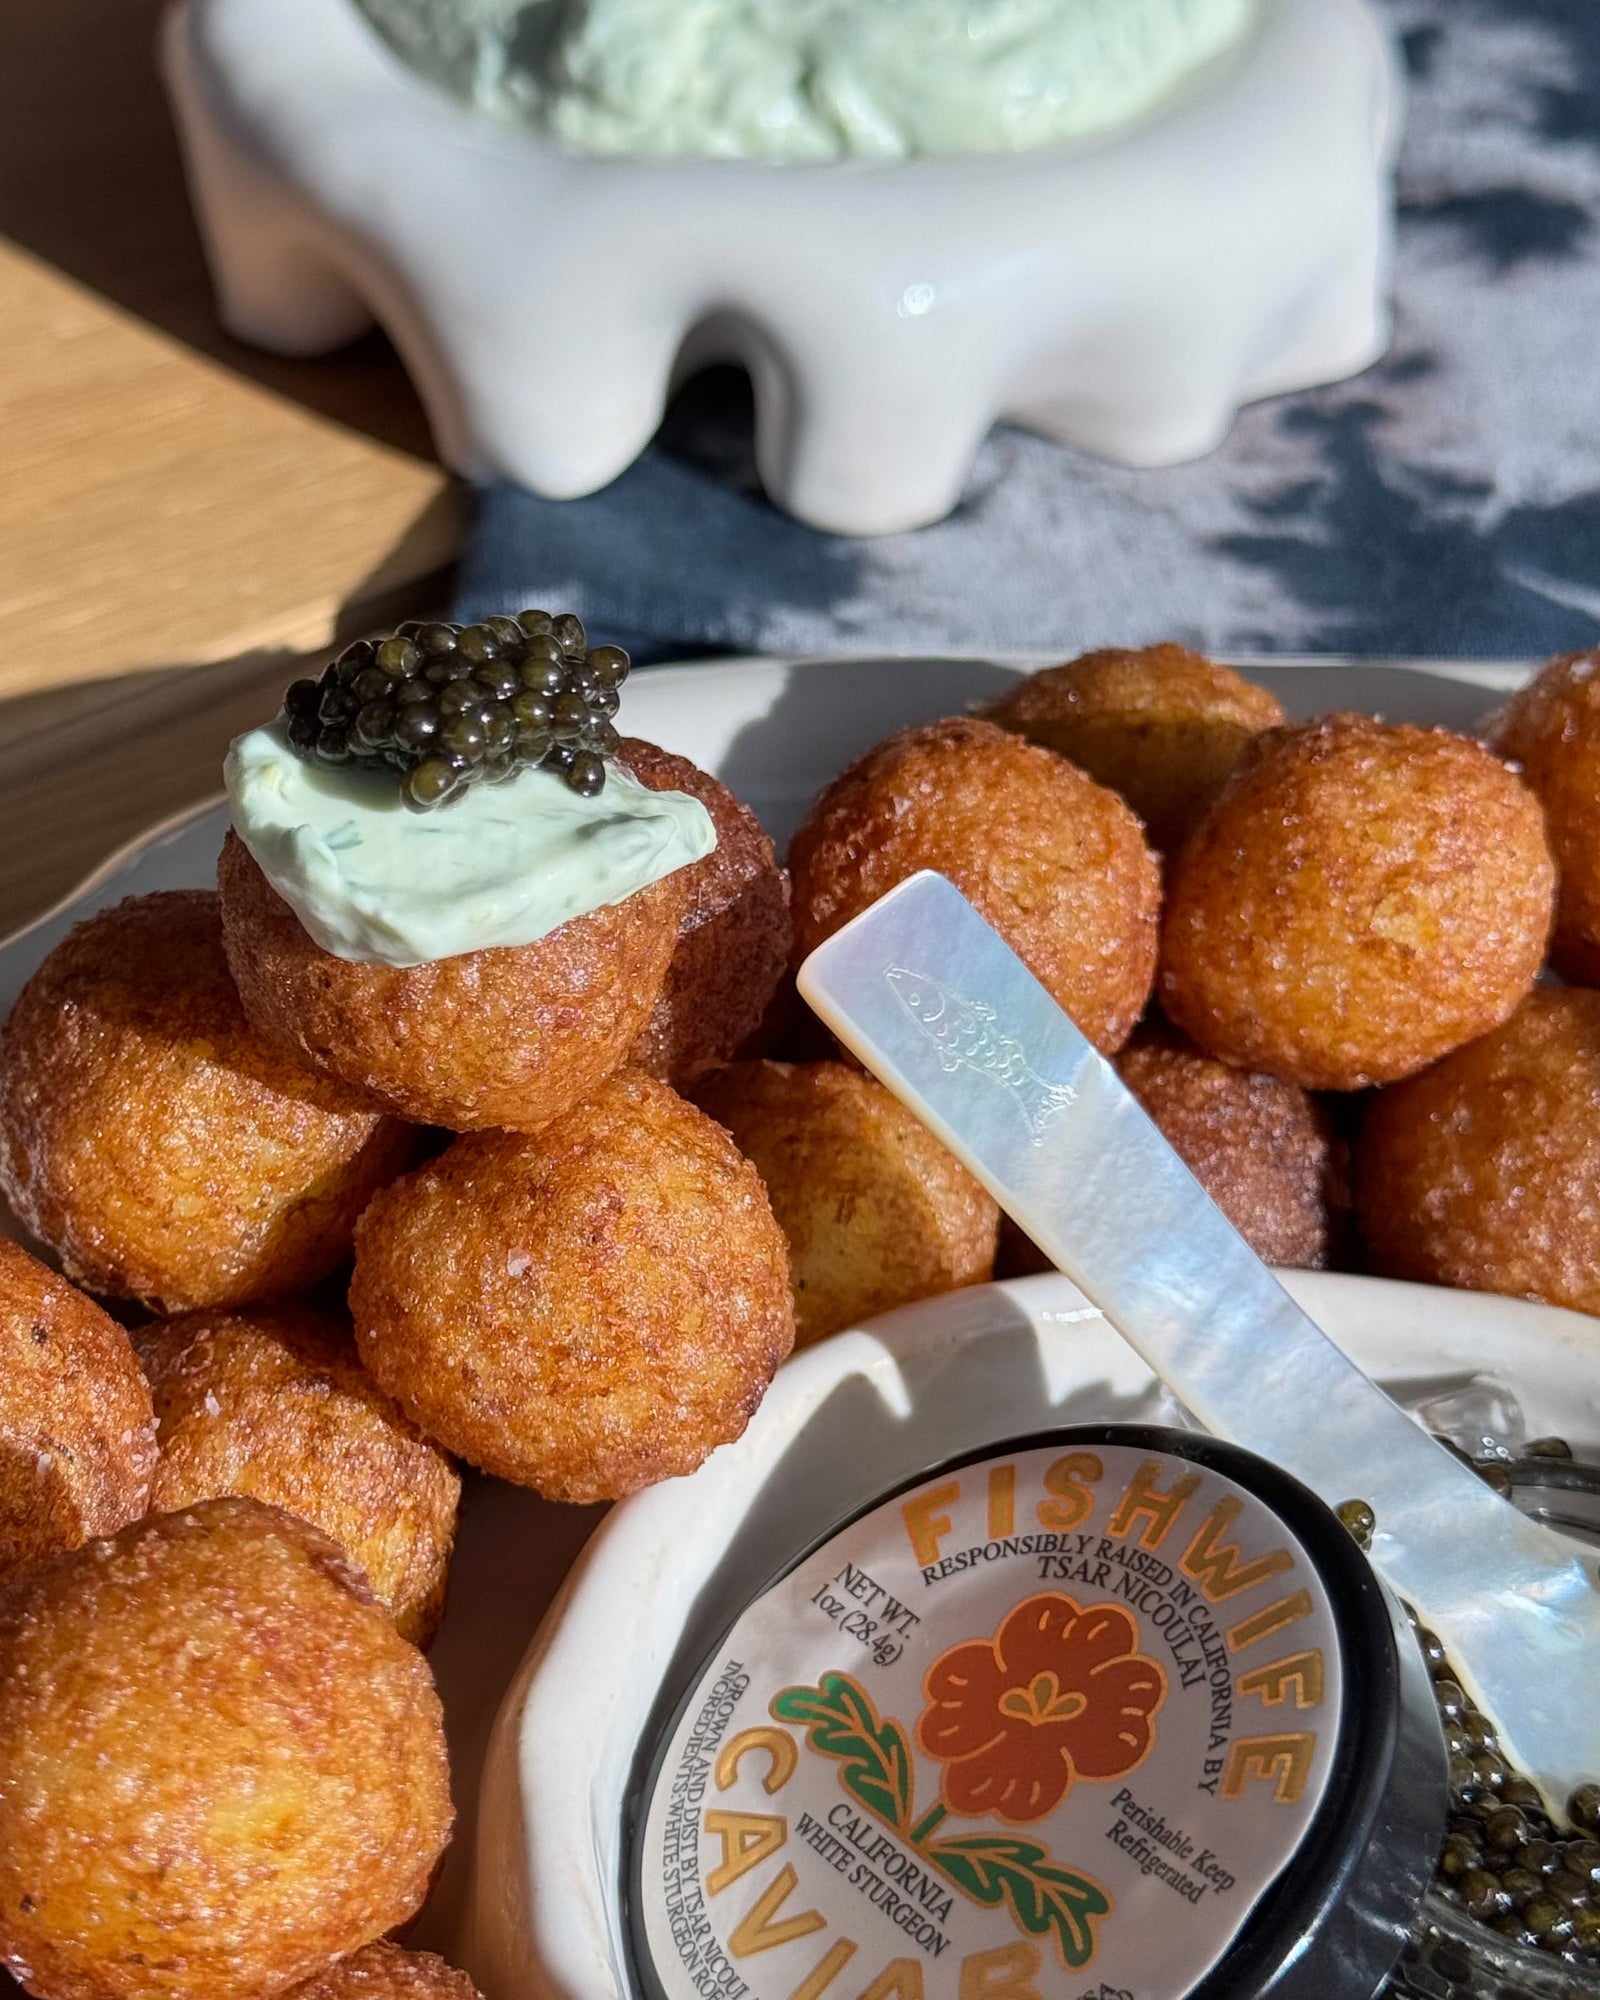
point(1505, 1828)
point(333, 746)
point(1432, 1648)
point(1583, 1808)
point(1550, 1447)
point(559, 757)
point(609, 664)
point(398, 658)
point(1450, 1698)
point(302, 698)
point(567, 717)
point(604, 740)
point(477, 644)
point(463, 736)
point(605, 700)
point(587, 775)
point(510, 634)
point(543, 646)
point(499, 732)
point(1483, 1894)
point(568, 628)
point(535, 623)
point(429, 783)
point(498, 679)
point(458, 697)
point(374, 725)
point(353, 659)
point(417, 728)
point(437, 641)
point(1520, 1791)
point(1459, 1853)
point(1494, 1474)
point(303, 733)
point(373, 684)
point(337, 707)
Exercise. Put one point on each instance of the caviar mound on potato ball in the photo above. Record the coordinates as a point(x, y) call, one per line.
point(1484, 1172)
point(1552, 729)
point(385, 1972)
point(511, 1036)
point(1055, 862)
point(1261, 1148)
point(584, 1309)
point(155, 1140)
point(274, 1404)
point(221, 1768)
point(877, 1213)
point(77, 1435)
point(1160, 725)
point(733, 945)
point(1360, 899)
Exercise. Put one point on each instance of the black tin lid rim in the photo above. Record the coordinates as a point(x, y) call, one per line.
point(1336, 1902)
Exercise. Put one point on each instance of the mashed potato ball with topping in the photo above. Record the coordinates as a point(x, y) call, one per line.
point(1552, 729)
point(584, 1309)
point(877, 1213)
point(1484, 1171)
point(510, 1036)
point(77, 1435)
point(1057, 864)
point(221, 1768)
point(733, 943)
point(275, 1403)
point(1159, 724)
point(386, 1972)
point(1360, 899)
point(1261, 1148)
point(161, 1146)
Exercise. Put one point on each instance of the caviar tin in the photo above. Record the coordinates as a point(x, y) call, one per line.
point(1108, 1710)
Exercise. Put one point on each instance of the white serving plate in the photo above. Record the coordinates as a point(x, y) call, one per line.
point(776, 731)
point(1125, 295)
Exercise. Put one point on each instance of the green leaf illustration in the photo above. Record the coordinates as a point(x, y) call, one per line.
point(841, 1722)
point(1043, 1896)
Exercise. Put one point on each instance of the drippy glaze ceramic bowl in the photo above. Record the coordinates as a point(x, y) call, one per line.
point(1124, 295)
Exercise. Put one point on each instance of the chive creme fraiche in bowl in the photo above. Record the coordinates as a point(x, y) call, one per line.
point(1112, 221)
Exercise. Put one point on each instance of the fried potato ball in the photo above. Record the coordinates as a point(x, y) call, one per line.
point(77, 1436)
point(1261, 1148)
point(1057, 864)
point(385, 1972)
point(1552, 729)
point(1159, 724)
point(1361, 898)
point(161, 1146)
point(221, 1768)
point(876, 1211)
point(733, 943)
point(275, 1404)
point(511, 1036)
point(585, 1309)
point(1484, 1171)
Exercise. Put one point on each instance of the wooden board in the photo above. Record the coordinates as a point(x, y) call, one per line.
point(171, 496)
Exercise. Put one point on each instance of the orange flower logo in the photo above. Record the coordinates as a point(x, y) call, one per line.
point(1060, 1692)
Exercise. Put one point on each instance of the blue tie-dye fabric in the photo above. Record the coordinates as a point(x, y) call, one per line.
point(1445, 502)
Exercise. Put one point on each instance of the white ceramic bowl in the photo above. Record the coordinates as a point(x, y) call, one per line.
point(1124, 295)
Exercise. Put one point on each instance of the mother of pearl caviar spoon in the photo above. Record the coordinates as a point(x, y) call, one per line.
point(937, 1006)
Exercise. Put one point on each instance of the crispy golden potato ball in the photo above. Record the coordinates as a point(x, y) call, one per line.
point(1260, 1147)
point(1159, 724)
point(1484, 1172)
point(77, 1436)
point(1361, 898)
point(161, 1146)
point(876, 1211)
point(1552, 729)
point(510, 1036)
point(1056, 863)
point(275, 1404)
point(385, 1972)
point(584, 1309)
point(733, 944)
point(221, 1768)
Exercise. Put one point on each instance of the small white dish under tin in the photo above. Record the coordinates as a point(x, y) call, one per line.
point(1125, 295)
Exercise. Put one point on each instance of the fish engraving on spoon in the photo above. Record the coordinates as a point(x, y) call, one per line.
point(965, 1037)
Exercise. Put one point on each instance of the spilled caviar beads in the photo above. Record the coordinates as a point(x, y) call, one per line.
point(446, 706)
